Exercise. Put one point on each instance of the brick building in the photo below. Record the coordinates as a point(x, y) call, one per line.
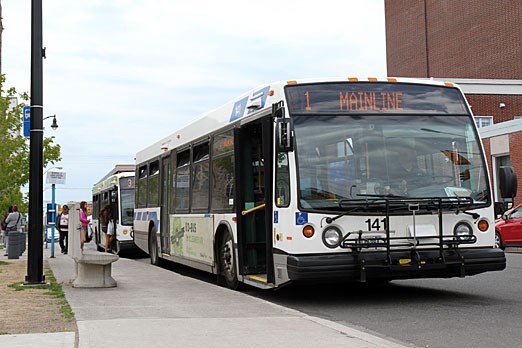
point(476, 44)
point(502, 143)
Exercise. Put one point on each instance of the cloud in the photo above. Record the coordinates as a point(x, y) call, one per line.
point(122, 74)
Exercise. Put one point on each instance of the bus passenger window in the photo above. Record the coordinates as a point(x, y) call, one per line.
point(200, 177)
point(153, 189)
point(282, 190)
point(172, 188)
point(223, 172)
point(183, 180)
point(141, 190)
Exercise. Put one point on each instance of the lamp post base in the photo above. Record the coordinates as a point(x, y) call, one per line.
point(29, 283)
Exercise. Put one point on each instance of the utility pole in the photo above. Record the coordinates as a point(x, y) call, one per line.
point(35, 245)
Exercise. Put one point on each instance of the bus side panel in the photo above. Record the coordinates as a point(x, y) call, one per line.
point(192, 237)
point(142, 220)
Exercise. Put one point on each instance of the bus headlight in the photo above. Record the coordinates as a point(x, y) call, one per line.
point(463, 231)
point(332, 237)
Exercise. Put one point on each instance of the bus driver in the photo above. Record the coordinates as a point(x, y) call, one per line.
point(406, 169)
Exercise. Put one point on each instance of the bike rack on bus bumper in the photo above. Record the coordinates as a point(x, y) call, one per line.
point(412, 243)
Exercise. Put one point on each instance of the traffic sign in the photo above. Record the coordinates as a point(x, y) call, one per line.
point(56, 178)
point(27, 121)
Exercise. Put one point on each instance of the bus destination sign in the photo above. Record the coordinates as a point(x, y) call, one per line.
point(374, 98)
point(127, 183)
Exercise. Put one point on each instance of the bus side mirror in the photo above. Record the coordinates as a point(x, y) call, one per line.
point(507, 182)
point(284, 128)
point(284, 135)
point(500, 208)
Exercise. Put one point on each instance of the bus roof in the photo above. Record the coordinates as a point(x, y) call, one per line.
point(250, 104)
point(110, 180)
point(119, 168)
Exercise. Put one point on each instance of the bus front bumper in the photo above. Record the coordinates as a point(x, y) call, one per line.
point(400, 265)
point(125, 245)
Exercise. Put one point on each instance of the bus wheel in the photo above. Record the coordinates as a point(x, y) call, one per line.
point(498, 241)
point(153, 247)
point(227, 261)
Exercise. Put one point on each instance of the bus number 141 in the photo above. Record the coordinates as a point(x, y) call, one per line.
point(375, 224)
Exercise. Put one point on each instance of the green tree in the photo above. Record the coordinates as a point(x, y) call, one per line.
point(14, 150)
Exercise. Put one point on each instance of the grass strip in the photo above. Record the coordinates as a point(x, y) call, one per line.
point(54, 289)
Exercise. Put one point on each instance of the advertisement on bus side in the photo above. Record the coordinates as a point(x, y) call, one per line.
point(191, 237)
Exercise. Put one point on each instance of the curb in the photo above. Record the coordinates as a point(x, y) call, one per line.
point(357, 334)
point(514, 250)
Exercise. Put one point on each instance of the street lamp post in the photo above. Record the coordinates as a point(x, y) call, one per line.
point(54, 125)
point(35, 247)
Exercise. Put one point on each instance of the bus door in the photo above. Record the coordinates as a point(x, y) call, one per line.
point(113, 201)
point(253, 160)
point(164, 205)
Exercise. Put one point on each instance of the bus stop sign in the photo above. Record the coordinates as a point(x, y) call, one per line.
point(51, 213)
point(27, 121)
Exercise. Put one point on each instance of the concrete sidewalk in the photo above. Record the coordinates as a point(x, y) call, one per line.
point(47, 340)
point(154, 306)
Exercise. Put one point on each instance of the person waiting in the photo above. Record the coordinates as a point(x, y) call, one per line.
point(13, 223)
point(63, 228)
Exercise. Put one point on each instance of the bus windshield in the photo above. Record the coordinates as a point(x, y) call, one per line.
point(344, 157)
point(127, 207)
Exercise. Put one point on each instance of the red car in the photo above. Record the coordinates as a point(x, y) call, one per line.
point(508, 229)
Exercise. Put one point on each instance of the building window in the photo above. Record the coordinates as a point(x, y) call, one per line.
point(483, 121)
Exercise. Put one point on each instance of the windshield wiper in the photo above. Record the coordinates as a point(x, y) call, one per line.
point(379, 196)
point(473, 215)
point(329, 220)
point(459, 205)
point(378, 202)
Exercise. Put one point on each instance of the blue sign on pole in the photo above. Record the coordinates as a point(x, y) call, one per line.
point(51, 213)
point(27, 121)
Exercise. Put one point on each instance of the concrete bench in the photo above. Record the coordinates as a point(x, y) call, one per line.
point(94, 270)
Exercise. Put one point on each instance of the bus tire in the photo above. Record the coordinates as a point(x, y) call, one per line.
point(227, 260)
point(498, 241)
point(153, 247)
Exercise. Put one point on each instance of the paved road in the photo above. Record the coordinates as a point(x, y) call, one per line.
point(482, 311)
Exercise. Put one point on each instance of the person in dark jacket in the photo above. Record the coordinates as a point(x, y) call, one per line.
point(13, 223)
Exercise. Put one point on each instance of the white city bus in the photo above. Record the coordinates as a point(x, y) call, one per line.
point(300, 181)
point(116, 189)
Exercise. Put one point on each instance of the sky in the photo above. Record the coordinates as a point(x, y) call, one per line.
point(123, 74)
